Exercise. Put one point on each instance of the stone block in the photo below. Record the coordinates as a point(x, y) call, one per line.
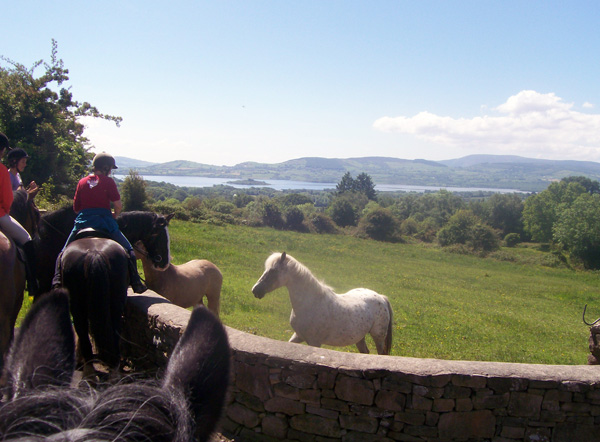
point(335, 404)
point(443, 405)
point(359, 391)
point(464, 404)
point(359, 423)
point(283, 405)
point(299, 380)
point(309, 423)
point(274, 426)
point(390, 400)
point(410, 418)
point(242, 415)
point(286, 391)
point(524, 405)
point(491, 402)
point(254, 379)
point(467, 425)
point(475, 382)
point(323, 412)
point(421, 403)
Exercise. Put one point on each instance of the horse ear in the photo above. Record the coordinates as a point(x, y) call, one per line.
point(199, 367)
point(169, 216)
point(283, 256)
point(43, 351)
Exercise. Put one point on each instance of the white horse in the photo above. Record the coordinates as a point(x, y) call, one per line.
point(186, 284)
point(320, 316)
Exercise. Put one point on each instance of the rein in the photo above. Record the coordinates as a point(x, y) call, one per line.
point(53, 228)
point(142, 251)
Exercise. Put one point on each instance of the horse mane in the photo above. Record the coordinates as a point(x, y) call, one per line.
point(185, 406)
point(18, 209)
point(300, 270)
point(60, 220)
point(136, 219)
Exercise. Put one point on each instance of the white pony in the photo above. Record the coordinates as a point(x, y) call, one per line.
point(186, 284)
point(320, 316)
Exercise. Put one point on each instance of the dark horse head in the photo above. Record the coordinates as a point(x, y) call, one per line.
point(184, 406)
point(152, 230)
point(25, 211)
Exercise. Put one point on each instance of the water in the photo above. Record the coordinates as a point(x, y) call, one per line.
point(198, 181)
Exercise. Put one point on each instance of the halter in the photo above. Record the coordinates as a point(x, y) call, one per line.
point(142, 251)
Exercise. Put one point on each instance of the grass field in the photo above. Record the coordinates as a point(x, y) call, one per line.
point(446, 305)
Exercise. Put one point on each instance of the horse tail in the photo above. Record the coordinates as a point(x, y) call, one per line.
point(387, 348)
point(96, 273)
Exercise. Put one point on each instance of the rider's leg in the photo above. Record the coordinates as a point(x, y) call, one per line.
point(134, 277)
point(20, 236)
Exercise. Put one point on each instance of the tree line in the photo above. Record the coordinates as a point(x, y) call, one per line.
point(40, 114)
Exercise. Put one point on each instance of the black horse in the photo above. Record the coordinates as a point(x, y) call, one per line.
point(95, 273)
point(54, 228)
point(94, 270)
point(185, 406)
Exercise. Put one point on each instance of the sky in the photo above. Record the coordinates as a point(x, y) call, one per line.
point(225, 82)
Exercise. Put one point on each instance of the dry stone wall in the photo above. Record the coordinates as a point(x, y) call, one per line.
point(283, 391)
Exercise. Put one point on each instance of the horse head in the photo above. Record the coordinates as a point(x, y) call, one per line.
point(185, 406)
point(273, 276)
point(24, 210)
point(152, 231)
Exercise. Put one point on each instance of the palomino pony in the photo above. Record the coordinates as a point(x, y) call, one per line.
point(186, 284)
point(40, 405)
point(320, 316)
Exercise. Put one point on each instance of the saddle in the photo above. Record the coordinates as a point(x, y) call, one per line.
point(90, 232)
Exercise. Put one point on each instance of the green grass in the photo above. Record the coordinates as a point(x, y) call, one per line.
point(446, 305)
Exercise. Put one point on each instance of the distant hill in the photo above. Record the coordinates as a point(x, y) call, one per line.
point(489, 171)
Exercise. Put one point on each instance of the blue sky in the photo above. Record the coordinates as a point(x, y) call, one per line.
point(223, 82)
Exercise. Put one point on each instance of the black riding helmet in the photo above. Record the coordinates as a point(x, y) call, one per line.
point(4, 144)
point(15, 155)
point(104, 161)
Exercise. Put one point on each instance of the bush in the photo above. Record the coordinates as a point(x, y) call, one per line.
point(343, 213)
point(321, 223)
point(379, 224)
point(272, 216)
point(294, 219)
point(512, 239)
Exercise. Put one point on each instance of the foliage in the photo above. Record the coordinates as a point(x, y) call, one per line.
point(464, 227)
point(362, 184)
point(578, 229)
point(503, 212)
point(379, 224)
point(294, 219)
point(512, 239)
point(541, 211)
point(133, 192)
point(46, 123)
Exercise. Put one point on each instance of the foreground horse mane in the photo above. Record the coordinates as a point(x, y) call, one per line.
point(185, 405)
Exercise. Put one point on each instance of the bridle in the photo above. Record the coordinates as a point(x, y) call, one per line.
point(142, 251)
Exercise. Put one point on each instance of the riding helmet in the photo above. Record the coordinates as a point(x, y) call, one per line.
point(14, 155)
point(104, 160)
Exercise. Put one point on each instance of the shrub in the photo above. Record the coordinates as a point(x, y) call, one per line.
point(379, 224)
point(294, 219)
point(272, 216)
point(321, 223)
point(512, 239)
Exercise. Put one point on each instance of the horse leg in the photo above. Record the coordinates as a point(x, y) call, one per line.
point(362, 346)
point(297, 339)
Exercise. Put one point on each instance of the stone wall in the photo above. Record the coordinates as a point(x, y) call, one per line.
point(283, 391)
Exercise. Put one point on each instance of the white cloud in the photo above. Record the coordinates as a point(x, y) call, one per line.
point(588, 105)
point(528, 123)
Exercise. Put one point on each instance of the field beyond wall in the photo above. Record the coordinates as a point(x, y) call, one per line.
point(510, 307)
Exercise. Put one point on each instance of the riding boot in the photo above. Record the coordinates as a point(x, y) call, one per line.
point(30, 268)
point(134, 277)
point(57, 278)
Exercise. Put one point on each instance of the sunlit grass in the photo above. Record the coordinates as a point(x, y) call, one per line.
point(446, 305)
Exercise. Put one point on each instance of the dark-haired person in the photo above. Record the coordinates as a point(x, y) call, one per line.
point(17, 162)
point(10, 226)
point(93, 198)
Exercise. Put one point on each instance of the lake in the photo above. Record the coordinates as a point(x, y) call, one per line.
point(198, 181)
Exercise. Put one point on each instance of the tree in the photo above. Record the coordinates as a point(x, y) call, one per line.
point(466, 228)
point(133, 192)
point(46, 123)
point(379, 224)
point(541, 211)
point(362, 184)
point(578, 229)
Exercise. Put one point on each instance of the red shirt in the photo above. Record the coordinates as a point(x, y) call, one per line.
point(95, 192)
point(6, 194)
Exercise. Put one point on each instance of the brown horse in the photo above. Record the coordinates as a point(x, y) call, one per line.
point(12, 275)
point(186, 284)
